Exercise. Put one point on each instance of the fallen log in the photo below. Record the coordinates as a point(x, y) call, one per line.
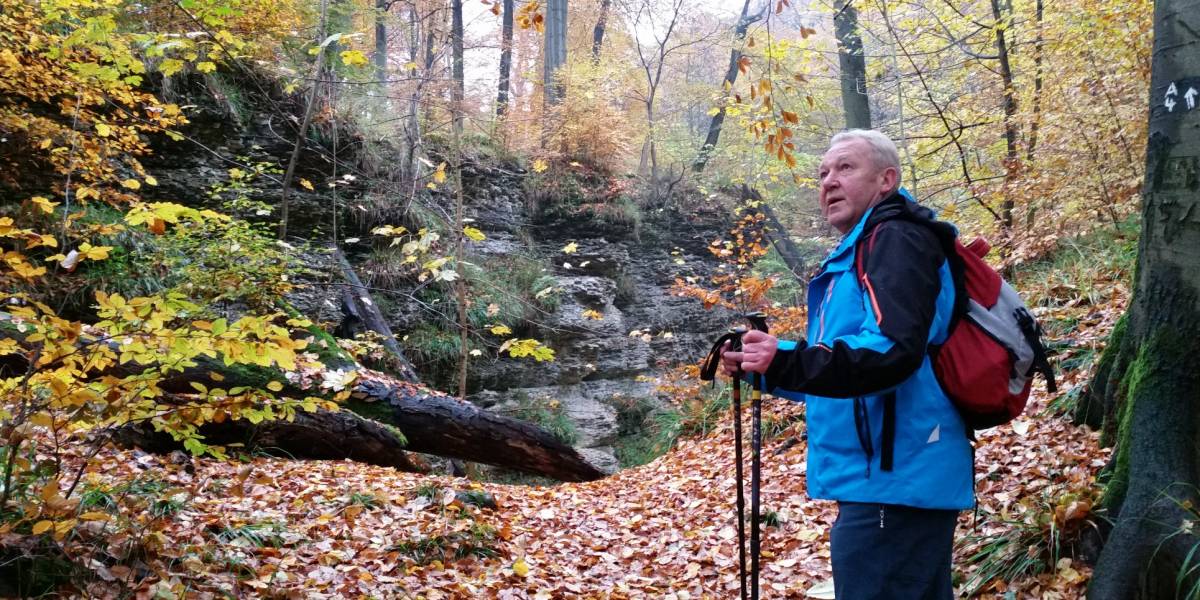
point(435, 423)
point(431, 422)
point(318, 435)
point(361, 313)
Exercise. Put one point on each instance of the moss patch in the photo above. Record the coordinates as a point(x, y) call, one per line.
point(1162, 348)
point(1100, 395)
point(380, 412)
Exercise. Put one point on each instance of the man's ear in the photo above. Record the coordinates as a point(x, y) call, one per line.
point(888, 178)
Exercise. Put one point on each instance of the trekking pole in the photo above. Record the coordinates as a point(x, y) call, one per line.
point(708, 372)
point(759, 322)
point(736, 345)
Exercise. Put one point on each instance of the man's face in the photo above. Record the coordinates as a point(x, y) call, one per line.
point(850, 183)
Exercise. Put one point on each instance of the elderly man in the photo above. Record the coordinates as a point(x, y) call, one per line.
point(884, 441)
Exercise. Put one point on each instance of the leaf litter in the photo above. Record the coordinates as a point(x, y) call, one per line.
point(279, 528)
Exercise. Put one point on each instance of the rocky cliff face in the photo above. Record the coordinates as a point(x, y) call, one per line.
point(623, 268)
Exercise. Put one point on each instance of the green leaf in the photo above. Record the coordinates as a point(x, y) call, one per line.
point(170, 66)
point(195, 446)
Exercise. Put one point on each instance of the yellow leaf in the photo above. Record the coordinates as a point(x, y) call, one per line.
point(474, 234)
point(94, 252)
point(275, 386)
point(44, 203)
point(500, 330)
point(439, 176)
point(570, 248)
point(540, 165)
point(353, 58)
point(103, 130)
point(520, 567)
point(594, 315)
point(95, 516)
point(151, 181)
point(42, 527)
point(132, 184)
point(206, 67)
point(306, 184)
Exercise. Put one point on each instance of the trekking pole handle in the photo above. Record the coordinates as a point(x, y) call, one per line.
point(758, 321)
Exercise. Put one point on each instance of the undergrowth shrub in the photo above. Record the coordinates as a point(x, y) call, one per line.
point(645, 430)
point(1027, 540)
point(229, 263)
point(547, 413)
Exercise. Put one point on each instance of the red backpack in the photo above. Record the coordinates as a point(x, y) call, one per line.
point(987, 362)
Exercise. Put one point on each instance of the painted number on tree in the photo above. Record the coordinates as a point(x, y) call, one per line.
point(1182, 95)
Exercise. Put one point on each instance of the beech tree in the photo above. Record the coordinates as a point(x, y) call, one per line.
point(506, 40)
point(1142, 389)
point(853, 66)
point(556, 48)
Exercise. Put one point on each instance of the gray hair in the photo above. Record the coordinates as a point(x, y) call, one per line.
point(883, 148)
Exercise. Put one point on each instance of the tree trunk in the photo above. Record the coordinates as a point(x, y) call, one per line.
point(412, 117)
point(1012, 160)
point(381, 42)
point(1153, 491)
point(598, 31)
point(318, 66)
point(430, 422)
point(506, 40)
point(318, 435)
point(556, 49)
point(853, 66)
point(457, 91)
point(779, 237)
point(438, 424)
point(735, 55)
point(1036, 122)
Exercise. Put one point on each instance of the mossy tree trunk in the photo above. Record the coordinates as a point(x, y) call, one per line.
point(1147, 386)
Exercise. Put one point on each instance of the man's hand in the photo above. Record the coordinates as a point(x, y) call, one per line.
point(758, 349)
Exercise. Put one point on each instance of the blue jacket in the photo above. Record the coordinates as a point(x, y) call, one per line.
point(880, 429)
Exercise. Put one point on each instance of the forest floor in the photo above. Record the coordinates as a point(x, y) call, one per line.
point(181, 527)
point(311, 529)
